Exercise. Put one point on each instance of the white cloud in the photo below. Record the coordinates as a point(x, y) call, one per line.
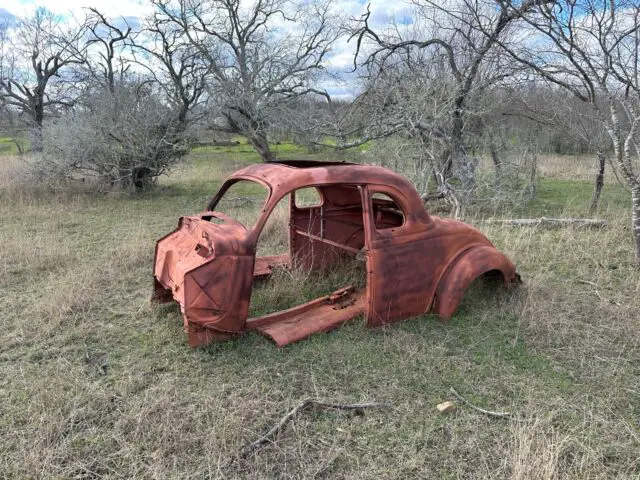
point(111, 8)
point(382, 11)
point(340, 60)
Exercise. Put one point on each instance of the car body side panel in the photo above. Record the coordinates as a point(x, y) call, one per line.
point(405, 263)
point(402, 277)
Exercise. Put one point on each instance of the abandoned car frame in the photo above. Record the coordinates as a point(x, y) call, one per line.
point(415, 262)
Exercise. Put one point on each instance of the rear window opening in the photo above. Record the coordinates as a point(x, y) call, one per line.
point(307, 197)
point(386, 212)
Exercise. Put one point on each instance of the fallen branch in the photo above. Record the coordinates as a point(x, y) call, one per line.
point(481, 410)
point(595, 290)
point(551, 222)
point(304, 405)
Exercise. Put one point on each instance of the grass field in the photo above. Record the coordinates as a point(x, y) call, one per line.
point(562, 353)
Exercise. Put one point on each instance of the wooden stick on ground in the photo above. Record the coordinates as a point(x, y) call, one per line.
point(481, 410)
point(550, 222)
point(595, 290)
point(304, 405)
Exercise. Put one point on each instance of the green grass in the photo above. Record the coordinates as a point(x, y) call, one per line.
point(281, 150)
point(8, 146)
point(560, 354)
point(557, 197)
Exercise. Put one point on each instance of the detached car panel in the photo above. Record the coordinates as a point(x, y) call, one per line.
point(416, 263)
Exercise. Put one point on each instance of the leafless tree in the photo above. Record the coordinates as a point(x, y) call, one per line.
point(591, 49)
point(31, 80)
point(126, 138)
point(459, 38)
point(569, 124)
point(259, 57)
point(128, 127)
point(105, 62)
point(176, 66)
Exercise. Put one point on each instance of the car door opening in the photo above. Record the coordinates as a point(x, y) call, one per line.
point(325, 243)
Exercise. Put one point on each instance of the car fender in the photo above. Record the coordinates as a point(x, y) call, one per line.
point(470, 265)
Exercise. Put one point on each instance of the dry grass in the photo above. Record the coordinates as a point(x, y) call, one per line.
point(274, 239)
point(571, 167)
point(75, 269)
point(562, 167)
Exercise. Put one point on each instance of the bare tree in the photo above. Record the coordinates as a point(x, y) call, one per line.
point(128, 128)
point(591, 49)
point(464, 34)
point(126, 139)
point(570, 122)
point(460, 38)
point(412, 97)
point(174, 63)
point(259, 57)
point(105, 62)
point(42, 47)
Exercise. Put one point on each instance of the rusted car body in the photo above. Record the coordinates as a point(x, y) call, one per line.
point(415, 263)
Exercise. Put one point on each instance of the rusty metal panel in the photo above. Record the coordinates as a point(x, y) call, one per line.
point(416, 263)
point(319, 315)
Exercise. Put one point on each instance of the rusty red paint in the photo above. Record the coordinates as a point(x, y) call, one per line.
point(416, 263)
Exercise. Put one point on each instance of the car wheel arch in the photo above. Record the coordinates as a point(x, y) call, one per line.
point(463, 271)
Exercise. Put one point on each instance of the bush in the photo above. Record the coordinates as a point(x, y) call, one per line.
point(127, 138)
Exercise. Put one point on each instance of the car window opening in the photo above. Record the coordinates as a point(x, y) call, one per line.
point(386, 212)
point(242, 200)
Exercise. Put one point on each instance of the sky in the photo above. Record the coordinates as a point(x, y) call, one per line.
point(382, 10)
point(125, 8)
point(339, 62)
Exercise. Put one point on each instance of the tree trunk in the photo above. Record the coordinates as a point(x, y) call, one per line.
point(260, 143)
point(597, 190)
point(497, 162)
point(38, 119)
point(457, 148)
point(36, 138)
point(635, 220)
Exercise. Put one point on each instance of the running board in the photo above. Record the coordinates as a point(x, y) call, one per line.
point(319, 315)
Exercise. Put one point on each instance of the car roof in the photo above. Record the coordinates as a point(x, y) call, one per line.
point(285, 176)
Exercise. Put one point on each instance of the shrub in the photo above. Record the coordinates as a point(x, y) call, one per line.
point(127, 138)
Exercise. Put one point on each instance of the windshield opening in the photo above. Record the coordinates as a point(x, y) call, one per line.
point(243, 200)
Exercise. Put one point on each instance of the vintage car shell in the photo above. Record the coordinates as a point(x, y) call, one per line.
point(416, 263)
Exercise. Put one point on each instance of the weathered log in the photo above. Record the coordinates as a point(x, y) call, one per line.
point(550, 222)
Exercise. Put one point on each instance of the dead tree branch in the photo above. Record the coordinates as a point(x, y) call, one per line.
point(597, 293)
point(478, 409)
point(306, 404)
point(254, 75)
